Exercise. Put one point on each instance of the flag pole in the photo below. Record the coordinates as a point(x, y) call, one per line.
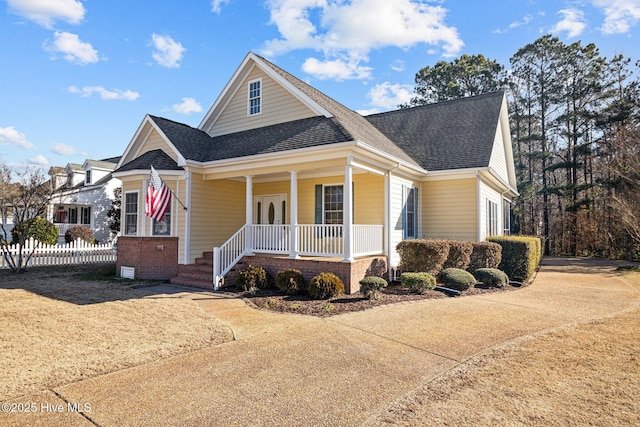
point(174, 195)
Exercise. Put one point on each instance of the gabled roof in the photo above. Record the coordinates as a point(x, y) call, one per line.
point(355, 124)
point(456, 134)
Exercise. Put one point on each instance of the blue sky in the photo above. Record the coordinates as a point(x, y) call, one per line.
point(78, 76)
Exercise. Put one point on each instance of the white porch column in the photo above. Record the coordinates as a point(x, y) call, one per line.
point(293, 214)
point(249, 214)
point(347, 214)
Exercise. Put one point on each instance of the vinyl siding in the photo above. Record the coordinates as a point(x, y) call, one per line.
point(156, 141)
point(498, 161)
point(449, 209)
point(218, 211)
point(278, 106)
point(489, 194)
point(396, 221)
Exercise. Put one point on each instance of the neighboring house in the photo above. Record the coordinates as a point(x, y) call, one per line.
point(82, 195)
point(7, 220)
point(283, 175)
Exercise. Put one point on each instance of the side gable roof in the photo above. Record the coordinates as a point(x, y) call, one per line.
point(455, 134)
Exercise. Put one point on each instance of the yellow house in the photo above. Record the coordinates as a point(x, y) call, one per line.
point(279, 174)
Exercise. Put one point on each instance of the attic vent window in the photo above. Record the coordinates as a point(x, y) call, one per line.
point(255, 97)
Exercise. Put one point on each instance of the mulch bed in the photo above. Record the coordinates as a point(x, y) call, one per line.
point(276, 300)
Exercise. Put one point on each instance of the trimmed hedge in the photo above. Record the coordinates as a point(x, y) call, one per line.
point(418, 283)
point(458, 279)
point(459, 255)
point(423, 255)
point(492, 277)
point(253, 277)
point(325, 286)
point(485, 255)
point(291, 281)
point(79, 232)
point(520, 255)
point(371, 286)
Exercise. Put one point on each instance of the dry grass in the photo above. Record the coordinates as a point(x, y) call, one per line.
point(584, 375)
point(61, 325)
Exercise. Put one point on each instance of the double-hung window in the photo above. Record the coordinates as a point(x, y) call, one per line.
point(410, 214)
point(492, 218)
point(131, 213)
point(333, 204)
point(85, 215)
point(255, 97)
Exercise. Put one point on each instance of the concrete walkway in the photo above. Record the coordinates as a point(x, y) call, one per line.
point(298, 370)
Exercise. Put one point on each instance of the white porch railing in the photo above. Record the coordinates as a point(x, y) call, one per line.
point(271, 238)
point(312, 240)
point(367, 239)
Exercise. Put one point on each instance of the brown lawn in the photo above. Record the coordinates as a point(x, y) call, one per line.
point(584, 375)
point(59, 325)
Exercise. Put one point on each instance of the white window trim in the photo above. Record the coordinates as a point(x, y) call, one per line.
point(493, 220)
point(249, 114)
point(124, 214)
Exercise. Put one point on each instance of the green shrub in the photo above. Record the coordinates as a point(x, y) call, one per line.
point(371, 287)
point(492, 277)
point(458, 279)
point(520, 256)
point(291, 281)
point(459, 255)
point(423, 255)
point(325, 286)
point(79, 232)
point(418, 283)
point(485, 255)
point(253, 277)
point(38, 228)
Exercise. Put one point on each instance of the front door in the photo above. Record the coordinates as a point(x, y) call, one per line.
point(270, 209)
point(270, 213)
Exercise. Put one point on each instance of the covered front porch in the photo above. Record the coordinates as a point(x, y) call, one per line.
point(346, 213)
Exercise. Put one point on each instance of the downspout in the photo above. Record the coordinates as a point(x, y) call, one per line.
point(479, 206)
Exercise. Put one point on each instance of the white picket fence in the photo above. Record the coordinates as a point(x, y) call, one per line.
point(78, 252)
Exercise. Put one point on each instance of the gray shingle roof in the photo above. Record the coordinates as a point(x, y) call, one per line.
point(449, 135)
point(355, 124)
point(156, 158)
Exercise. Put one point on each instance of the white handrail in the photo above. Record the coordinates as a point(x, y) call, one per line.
point(228, 254)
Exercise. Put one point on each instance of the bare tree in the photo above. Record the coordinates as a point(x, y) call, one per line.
point(28, 197)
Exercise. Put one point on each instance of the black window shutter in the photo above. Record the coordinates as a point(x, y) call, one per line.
point(319, 204)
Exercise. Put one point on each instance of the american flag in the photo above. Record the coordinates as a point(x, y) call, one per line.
point(158, 197)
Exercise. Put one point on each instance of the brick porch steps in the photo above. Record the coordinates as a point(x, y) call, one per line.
point(200, 274)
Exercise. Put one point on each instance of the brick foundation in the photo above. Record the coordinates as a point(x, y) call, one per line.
point(349, 273)
point(154, 258)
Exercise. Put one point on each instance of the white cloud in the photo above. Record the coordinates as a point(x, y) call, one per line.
point(388, 95)
point(398, 65)
point(46, 12)
point(187, 106)
point(620, 15)
point(216, 5)
point(352, 29)
point(115, 94)
point(10, 136)
point(573, 23)
point(73, 49)
point(38, 160)
point(337, 69)
point(168, 52)
point(65, 150)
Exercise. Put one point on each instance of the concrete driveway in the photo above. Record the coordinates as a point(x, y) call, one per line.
point(285, 369)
